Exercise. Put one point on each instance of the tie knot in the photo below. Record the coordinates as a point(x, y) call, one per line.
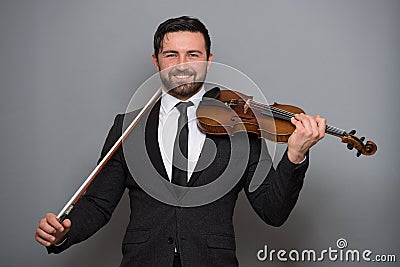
point(182, 106)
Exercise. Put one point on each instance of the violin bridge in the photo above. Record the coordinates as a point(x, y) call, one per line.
point(246, 106)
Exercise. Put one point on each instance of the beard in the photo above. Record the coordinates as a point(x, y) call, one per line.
point(182, 89)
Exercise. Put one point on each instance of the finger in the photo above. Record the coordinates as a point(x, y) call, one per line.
point(321, 125)
point(45, 226)
point(305, 121)
point(45, 236)
point(66, 223)
point(296, 121)
point(314, 126)
point(53, 221)
point(42, 241)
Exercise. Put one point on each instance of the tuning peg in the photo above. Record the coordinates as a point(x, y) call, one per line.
point(350, 146)
point(352, 132)
point(362, 139)
point(358, 153)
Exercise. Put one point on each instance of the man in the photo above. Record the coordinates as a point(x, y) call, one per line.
point(161, 234)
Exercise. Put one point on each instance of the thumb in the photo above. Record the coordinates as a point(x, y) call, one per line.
point(61, 235)
point(66, 223)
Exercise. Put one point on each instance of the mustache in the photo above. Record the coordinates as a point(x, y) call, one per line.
point(176, 72)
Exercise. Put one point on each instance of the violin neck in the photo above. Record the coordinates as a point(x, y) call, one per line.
point(335, 131)
point(286, 115)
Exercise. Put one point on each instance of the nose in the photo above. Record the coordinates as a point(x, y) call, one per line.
point(182, 63)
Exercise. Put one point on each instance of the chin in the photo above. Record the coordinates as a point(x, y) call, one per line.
point(186, 90)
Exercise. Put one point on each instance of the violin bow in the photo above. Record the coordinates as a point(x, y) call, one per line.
point(85, 185)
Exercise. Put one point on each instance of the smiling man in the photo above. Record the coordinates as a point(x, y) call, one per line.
point(185, 54)
point(161, 234)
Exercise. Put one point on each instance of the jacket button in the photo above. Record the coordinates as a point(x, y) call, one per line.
point(170, 240)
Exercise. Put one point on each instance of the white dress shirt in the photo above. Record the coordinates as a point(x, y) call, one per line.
point(168, 126)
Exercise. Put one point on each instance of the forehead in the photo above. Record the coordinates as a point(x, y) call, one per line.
point(183, 41)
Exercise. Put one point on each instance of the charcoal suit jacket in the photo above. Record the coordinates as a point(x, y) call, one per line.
point(204, 232)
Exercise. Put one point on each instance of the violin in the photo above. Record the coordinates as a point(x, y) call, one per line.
point(226, 112)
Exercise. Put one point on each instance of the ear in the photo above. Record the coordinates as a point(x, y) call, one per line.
point(210, 59)
point(155, 62)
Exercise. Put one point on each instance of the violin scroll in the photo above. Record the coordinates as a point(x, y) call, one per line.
point(352, 141)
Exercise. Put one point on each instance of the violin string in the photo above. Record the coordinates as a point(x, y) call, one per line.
point(286, 115)
point(283, 114)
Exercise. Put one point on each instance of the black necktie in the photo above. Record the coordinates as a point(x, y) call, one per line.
point(180, 156)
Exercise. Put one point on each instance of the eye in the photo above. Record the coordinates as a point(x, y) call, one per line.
point(193, 55)
point(170, 55)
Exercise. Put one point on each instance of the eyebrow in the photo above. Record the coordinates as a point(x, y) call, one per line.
point(176, 52)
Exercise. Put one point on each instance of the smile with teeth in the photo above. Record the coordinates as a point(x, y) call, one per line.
point(182, 77)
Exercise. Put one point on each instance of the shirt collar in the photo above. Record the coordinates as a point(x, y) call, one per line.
point(168, 102)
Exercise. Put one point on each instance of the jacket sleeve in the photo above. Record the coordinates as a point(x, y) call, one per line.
point(95, 207)
point(272, 192)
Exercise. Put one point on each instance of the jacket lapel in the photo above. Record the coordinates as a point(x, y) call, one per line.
point(151, 140)
point(210, 153)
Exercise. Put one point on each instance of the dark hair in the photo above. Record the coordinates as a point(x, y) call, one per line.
point(181, 24)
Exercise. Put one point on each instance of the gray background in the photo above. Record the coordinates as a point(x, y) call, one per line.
point(67, 67)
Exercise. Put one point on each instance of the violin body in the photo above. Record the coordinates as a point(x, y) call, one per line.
point(228, 115)
point(226, 112)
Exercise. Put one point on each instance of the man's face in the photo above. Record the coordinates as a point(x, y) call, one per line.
point(182, 63)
